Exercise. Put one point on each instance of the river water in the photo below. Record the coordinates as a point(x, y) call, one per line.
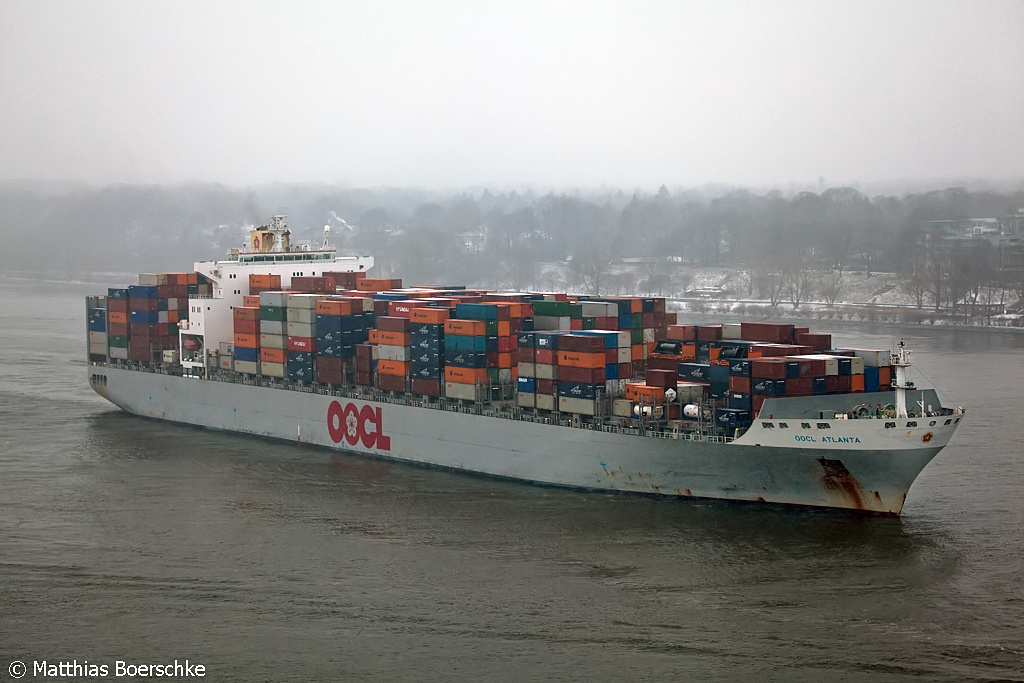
point(123, 539)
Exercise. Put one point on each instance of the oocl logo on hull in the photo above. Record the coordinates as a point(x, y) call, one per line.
point(353, 424)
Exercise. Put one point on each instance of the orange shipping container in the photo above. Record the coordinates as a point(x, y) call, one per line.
point(637, 352)
point(577, 359)
point(117, 317)
point(430, 316)
point(334, 307)
point(264, 281)
point(245, 313)
point(504, 360)
point(251, 300)
point(856, 382)
point(470, 328)
point(249, 341)
point(394, 338)
point(504, 329)
point(637, 391)
point(393, 367)
point(172, 316)
point(465, 375)
point(272, 355)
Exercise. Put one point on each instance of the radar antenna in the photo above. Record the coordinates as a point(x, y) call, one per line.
point(327, 232)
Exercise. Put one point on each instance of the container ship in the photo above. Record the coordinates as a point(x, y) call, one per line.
point(599, 393)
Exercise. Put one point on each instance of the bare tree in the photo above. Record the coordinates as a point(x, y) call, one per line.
point(831, 287)
point(798, 281)
point(770, 284)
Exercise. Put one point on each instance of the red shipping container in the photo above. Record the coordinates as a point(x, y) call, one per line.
point(426, 387)
point(346, 280)
point(681, 332)
point(117, 305)
point(626, 370)
point(709, 333)
point(143, 304)
point(776, 333)
point(246, 327)
point(660, 362)
point(302, 344)
point(545, 386)
point(661, 378)
point(525, 354)
point(546, 357)
point(758, 402)
point(118, 329)
point(739, 385)
point(587, 375)
point(581, 343)
point(364, 379)
point(330, 364)
point(391, 382)
point(393, 324)
point(507, 344)
point(576, 324)
point(801, 386)
point(768, 369)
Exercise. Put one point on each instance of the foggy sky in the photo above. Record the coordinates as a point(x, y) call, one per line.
point(557, 93)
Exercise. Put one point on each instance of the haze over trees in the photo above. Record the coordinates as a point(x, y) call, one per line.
point(795, 247)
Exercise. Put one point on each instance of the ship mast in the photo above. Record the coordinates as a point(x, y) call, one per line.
point(901, 361)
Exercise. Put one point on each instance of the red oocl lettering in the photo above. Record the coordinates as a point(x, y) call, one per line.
point(351, 424)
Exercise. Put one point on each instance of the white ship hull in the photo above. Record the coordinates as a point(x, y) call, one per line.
point(852, 464)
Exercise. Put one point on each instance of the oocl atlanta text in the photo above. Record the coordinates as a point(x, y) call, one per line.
point(85, 669)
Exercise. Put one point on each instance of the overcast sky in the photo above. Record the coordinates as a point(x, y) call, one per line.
point(553, 93)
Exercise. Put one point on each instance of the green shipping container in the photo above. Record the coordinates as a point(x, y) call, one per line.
point(552, 308)
point(272, 313)
point(118, 340)
point(636, 336)
point(588, 323)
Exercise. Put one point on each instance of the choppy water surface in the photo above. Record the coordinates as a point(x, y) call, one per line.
point(126, 539)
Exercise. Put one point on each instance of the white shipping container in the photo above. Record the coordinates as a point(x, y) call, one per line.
point(615, 387)
point(466, 392)
point(271, 369)
point(225, 362)
point(689, 392)
point(301, 329)
point(546, 401)
point(272, 327)
point(227, 348)
point(307, 301)
point(526, 400)
point(398, 353)
point(649, 335)
point(873, 358)
point(527, 369)
point(545, 371)
point(98, 338)
point(161, 316)
point(170, 355)
point(172, 304)
point(98, 348)
point(599, 309)
point(504, 375)
point(273, 341)
point(622, 407)
point(625, 355)
point(301, 315)
point(551, 322)
point(857, 366)
point(249, 367)
point(731, 331)
point(150, 279)
point(278, 299)
point(580, 406)
point(119, 352)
